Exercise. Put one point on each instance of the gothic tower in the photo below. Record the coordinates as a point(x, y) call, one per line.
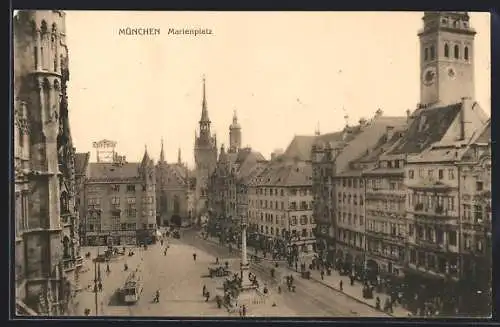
point(234, 135)
point(205, 156)
point(46, 216)
point(446, 58)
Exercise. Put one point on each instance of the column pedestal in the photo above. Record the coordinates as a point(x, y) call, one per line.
point(249, 291)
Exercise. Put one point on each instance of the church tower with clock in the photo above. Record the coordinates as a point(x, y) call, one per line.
point(446, 58)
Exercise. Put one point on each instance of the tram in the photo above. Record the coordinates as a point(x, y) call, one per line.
point(132, 289)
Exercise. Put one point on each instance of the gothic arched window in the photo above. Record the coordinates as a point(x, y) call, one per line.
point(457, 52)
point(433, 52)
point(426, 54)
point(446, 51)
point(466, 53)
point(44, 27)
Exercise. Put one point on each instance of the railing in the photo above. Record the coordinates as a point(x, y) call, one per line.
point(68, 264)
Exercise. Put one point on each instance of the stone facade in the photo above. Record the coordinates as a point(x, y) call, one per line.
point(46, 218)
point(173, 192)
point(119, 202)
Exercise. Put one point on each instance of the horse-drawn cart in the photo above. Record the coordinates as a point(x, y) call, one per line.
point(218, 272)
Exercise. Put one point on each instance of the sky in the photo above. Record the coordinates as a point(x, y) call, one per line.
point(284, 73)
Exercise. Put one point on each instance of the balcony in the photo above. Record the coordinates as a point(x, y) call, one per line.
point(378, 193)
point(431, 245)
point(431, 212)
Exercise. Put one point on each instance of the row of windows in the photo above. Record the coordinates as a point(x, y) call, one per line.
point(351, 219)
point(430, 52)
point(120, 226)
point(431, 173)
point(130, 211)
point(281, 192)
point(346, 198)
point(303, 233)
point(433, 262)
point(265, 204)
point(393, 251)
point(430, 201)
point(386, 205)
point(116, 188)
point(385, 227)
point(351, 237)
point(434, 235)
point(476, 213)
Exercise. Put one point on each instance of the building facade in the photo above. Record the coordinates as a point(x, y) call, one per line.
point(173, 192)
point(280, 208)
point(120, 202)
point(47, 251)
point(228, 190)
point(205, 157)
point(475, 224)
point(413, 183)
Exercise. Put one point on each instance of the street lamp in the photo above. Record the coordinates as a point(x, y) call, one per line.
point(97, 281)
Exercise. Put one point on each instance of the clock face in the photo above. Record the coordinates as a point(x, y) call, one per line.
point(451, 73)
point(429, 76)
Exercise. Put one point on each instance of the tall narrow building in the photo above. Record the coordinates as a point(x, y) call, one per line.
point(173, 192)
point(234, 135)
point(46, 219)
point(205, 156)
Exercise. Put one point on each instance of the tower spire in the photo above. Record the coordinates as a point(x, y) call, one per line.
point(179, 158)
point(162, 153)
point(235, 117)
point(204, 110)
point(317, 131)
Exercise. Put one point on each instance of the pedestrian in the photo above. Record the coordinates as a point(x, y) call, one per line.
point(341, 286)
point(322, 275)
point(87, 312)
point(194, 256)
point(204, 290)
point(99, 286)
point(296, 266)
point(107, 268)
point(207, 296)
point(244, 309)
point(217, 260)
point(240, 311)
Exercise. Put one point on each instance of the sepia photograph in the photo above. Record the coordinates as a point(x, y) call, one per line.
point(251, 164)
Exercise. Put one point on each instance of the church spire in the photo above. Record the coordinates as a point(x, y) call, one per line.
point(162, 153)
point(145, 158)
point(204, 110)
point(179, 158)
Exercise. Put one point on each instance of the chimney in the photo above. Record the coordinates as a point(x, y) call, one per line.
point(466, 101)
point(389, 132)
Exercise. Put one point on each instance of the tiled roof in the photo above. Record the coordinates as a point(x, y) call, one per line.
point(111, 171)
point(81, 162)
point(366, 139)
point(485, 136)
point(301, 145)
point(428, 126)
point(285, 173)
point(441, 154)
